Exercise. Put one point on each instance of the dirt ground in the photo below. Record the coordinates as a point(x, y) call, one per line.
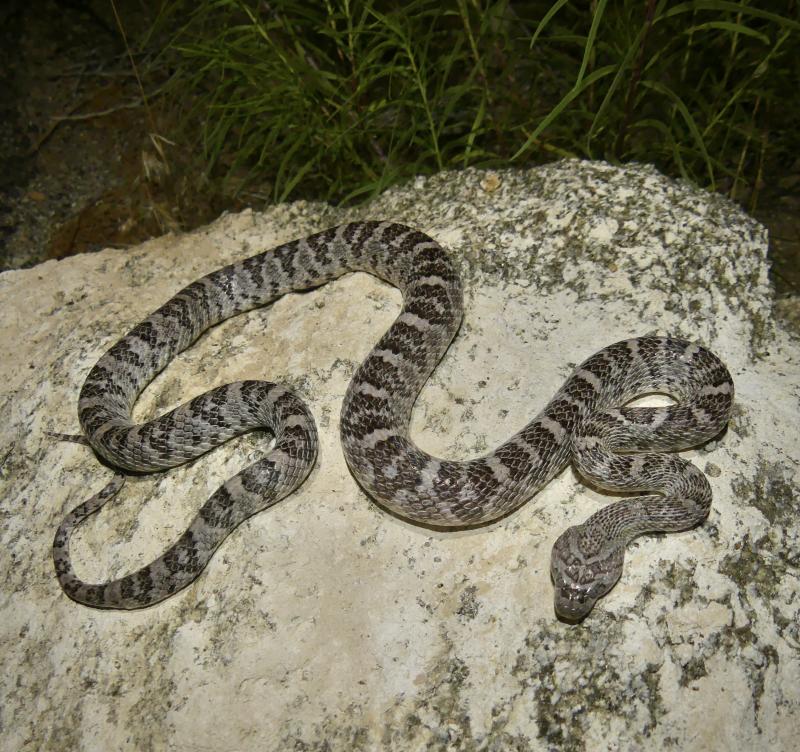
point(81, 170)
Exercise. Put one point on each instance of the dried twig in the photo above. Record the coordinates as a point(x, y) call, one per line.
point(100, 113)
point(135, 68)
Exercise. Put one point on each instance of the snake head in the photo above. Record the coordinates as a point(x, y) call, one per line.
point(584, 568)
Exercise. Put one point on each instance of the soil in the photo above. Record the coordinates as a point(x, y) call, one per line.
point(82, 166)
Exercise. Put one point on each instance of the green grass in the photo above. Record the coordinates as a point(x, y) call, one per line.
point(342, 98)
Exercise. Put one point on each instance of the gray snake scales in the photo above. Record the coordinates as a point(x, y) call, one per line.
point(613, 446)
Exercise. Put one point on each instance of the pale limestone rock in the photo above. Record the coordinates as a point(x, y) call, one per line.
point(326, 623)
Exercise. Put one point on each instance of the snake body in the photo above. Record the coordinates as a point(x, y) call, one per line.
point(616, 447)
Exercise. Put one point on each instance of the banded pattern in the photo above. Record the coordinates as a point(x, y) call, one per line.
point(617, 447)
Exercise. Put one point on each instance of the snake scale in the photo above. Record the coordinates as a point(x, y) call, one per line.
point(614, 446)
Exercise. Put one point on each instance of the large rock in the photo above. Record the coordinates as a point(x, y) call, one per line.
point(326, 623)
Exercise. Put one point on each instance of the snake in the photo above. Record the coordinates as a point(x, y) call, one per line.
point(627, 449)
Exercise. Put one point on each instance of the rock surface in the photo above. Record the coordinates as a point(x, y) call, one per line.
point(326, 623)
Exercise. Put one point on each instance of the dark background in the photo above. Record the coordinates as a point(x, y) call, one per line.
point(80, 171)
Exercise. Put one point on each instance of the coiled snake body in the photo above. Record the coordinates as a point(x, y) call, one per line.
point(616, 447)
